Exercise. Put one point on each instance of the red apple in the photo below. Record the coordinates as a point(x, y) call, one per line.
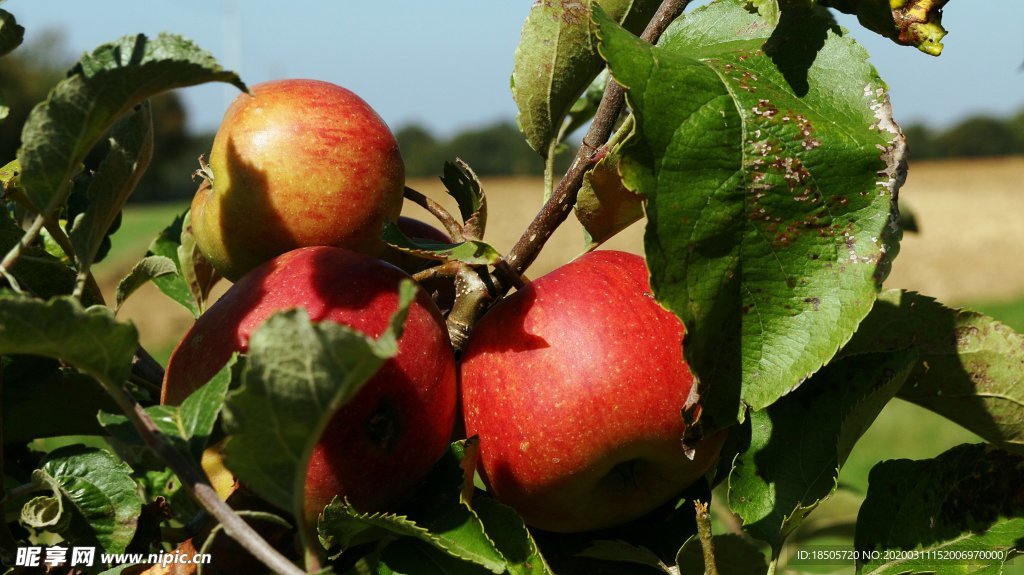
point(399, 424)
point(296, 163)
point(575, 386)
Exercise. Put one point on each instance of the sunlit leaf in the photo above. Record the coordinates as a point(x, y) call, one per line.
point(101, 491)
point(770, 183)
point(557, 59)
point(101, 89)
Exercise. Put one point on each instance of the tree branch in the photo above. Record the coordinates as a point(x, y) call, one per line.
point(197, 485)
point(557, 208)
point(452, 225)
point(705, 535)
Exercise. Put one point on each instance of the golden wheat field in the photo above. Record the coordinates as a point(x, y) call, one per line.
point(970, 246)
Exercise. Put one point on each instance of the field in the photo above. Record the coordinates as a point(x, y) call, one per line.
point(971, 219)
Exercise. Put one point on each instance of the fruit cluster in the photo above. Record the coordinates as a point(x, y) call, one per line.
point(574, 383)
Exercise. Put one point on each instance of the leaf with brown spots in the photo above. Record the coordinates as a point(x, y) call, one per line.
point(799, 444)
point(770, 163)
point(971, 369)
point(970, 499)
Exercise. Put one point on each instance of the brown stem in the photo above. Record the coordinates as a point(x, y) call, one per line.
point(198, 486)
point(445, 270)
point(706, 542)
point(438, 211)
point(558, 206)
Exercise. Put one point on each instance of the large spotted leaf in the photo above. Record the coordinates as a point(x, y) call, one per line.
point(770, 163)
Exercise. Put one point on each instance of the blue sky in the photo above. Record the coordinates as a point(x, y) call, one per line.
point(446, 63)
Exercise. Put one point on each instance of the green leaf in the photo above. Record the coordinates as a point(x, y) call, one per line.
point(965, 500)
point(511, 537)
point(36, 270)
point(768, 9)
point(907, 22)
point(798, 444)
point(131, 148)
point(622, 552)
point(342, 525)
point(734, 555)
point(770, 184)
point(90, 339)
point(30, 412)
point(470, 252)
point(488, 535)
point(557, 59)
point(188, 425)
point(101, 89)
point(462, 184)
point(101, 491)
point(147, 269)
point(166, 244)
point(297, 375)
point(971, 367)
point(605, 206)
point(413, 557)
point(194, 278)
point(197, 272)
point(11, 33)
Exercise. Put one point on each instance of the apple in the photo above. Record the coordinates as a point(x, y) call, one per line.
point(388, 436)
point(575, 386)
point(296, 163)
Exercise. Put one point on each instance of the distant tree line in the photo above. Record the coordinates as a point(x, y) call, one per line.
point(973, 137)
point(496, 149)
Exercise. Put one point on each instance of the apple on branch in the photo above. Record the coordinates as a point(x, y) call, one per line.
point(575, 386)
point(381, 443)
point(296, 163)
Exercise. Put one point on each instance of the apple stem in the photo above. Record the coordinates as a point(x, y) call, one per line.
point(472, 296)
point(452, 225)
point(556, 209)
point(705, 535)
point(445, 270)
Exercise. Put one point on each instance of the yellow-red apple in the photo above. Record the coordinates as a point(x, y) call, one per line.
point(296, 163)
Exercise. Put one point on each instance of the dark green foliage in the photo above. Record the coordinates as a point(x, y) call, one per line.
point(973, 137)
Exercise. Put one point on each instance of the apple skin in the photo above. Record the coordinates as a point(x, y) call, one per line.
point(387, 437)
point(297, 163)
point(575, 386)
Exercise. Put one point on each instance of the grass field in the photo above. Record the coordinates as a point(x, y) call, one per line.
point(971, 216)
